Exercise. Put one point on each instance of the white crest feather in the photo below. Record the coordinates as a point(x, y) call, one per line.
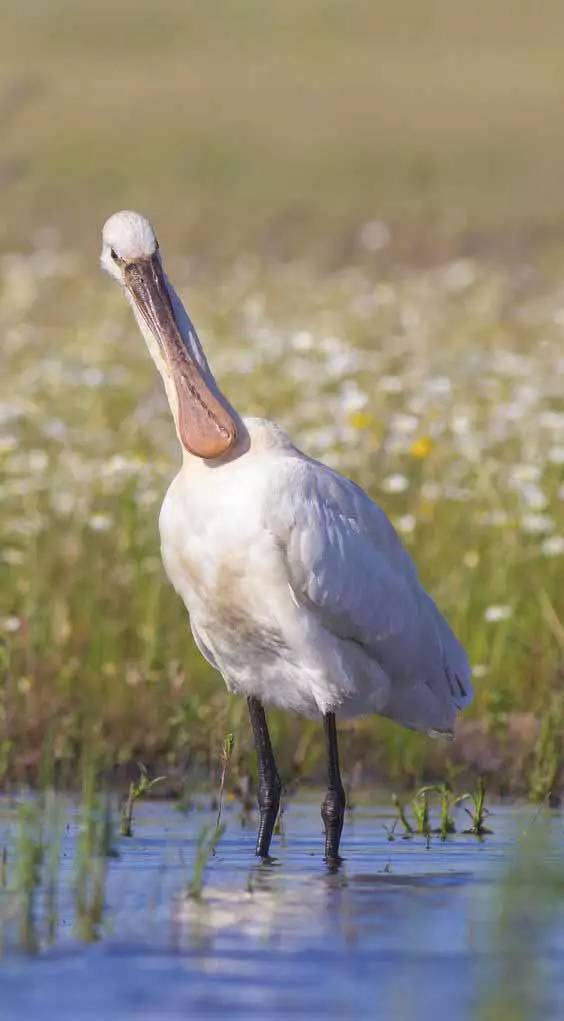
point(130, 235)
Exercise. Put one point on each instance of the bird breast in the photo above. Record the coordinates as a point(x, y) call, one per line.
point(222, 561)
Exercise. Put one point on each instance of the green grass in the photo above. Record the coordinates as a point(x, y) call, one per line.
point(261, 142)
point(236, 124)
point(436, 389)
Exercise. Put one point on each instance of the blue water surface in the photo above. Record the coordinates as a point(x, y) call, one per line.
point(406, 928)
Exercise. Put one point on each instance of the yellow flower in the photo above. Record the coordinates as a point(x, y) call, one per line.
point(361, 419)
point(421, 447)
point(426, 509)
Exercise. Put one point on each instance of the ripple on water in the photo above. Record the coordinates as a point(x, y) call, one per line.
point(400, 930)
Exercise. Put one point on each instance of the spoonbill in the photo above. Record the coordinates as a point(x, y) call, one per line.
point(298, 589)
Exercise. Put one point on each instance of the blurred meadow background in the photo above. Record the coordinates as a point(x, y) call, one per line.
point(363, 206)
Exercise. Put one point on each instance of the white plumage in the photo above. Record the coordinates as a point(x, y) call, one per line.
point(300, 592)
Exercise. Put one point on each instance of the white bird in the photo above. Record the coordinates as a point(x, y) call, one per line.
point(299, 590)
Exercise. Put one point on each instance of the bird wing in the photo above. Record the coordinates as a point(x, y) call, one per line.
point(203, 647)
point(346, 564)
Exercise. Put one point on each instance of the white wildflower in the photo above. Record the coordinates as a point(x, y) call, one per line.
point(92, 377)
point(55, 429)
point(151, 564)
point(553, 546)
point(527, 395)
point(148, 497)
point(13, 556)
point(391, 384)
point(495, 518)
point(511, 411)
point(63, 502)
point(508, 363)
point(28, 525)
point(352, 397)
point(406, 524)
point(364, 305)
point(461, 424)
point(471, 559)
point(384, 294)
point(133, 676)
point(332, 345)
point(121, 466)
point(320, 439)
point(338, 363)
point(404, 425)
point(551, 420)
point(10, 624)
point(533, 496)
point(556, 455)
point(100, 522)
point(523, 473)
point(459, 494)
point(395, 484)
point(535, 524)
point(459, 274)
point(302, 341)
point(37, 461)
point(9, 412)
point(410, 318)
point(374, 235)
point(431, 491)
point(498, 612)
point(439, 385)
point(480, 670)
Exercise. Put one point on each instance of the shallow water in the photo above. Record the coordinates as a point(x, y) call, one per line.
point(401, 930)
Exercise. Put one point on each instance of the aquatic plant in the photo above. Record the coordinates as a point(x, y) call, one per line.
point(547, 755)
point(420, 809)
point(137, 789)
point(447, 803)
point(53, 822)
point(94, 845)
point(209, 836)
point(526, 909)
point(226, 753)
point(29, 854)
point(478, 811)
point(206, 842)
point(33, 879)
point(401, 818)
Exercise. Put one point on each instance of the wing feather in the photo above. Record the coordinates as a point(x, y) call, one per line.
point(347, 566)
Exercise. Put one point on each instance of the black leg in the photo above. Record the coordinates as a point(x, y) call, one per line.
point(269, 786)
point(333, 808)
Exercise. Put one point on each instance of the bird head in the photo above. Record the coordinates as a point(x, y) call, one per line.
point(127, 237)
point(130, 254)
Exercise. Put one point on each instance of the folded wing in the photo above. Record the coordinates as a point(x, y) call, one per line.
point(347, 566)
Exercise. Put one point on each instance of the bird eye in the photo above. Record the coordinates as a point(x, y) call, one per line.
point(114, 255)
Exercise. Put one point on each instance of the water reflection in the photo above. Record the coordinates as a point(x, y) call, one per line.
point(399, 930)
